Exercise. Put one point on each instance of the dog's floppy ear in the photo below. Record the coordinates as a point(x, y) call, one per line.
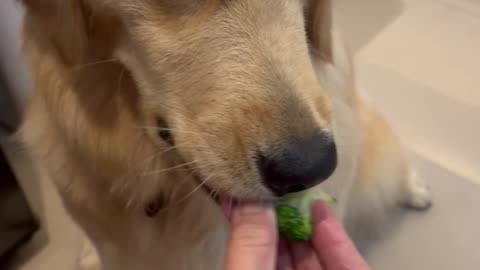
point(319, 27)
point(63, 25)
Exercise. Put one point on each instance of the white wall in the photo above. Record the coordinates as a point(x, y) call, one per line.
point(421, 69)
point(11, 68)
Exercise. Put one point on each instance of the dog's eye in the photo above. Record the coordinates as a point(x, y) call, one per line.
point(164, 131)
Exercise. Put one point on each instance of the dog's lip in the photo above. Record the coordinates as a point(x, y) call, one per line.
point(205, 187)
point(210, 193)
point(231, 199)
point(226, 205)
point(219, 199)
point(228, 202)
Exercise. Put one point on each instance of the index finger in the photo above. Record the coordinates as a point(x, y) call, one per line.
point(334, 248)
point(253, 238)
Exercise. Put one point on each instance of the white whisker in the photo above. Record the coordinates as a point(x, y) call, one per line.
point(170, 169)
point(95, 63)
point(177, 113)
point(189, 194)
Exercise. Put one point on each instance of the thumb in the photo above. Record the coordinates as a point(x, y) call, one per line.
point(253, 238)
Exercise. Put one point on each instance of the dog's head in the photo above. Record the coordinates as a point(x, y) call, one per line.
point(229, 84)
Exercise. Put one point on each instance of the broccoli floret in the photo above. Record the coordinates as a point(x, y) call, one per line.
point(294, 214)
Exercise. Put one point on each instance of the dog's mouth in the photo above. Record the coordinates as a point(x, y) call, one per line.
point(226, 205)
point(213, 195)
point(228, 202)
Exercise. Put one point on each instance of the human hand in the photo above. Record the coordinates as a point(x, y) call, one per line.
point(329, 249)
point(254, 243)
point(253, 238)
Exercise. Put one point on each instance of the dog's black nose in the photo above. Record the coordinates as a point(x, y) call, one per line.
point(300, 165)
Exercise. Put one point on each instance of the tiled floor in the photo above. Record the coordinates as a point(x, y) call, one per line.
point(444, 238)
point(419, 61)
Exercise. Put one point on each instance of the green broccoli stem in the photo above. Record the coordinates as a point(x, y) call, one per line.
point(303, 200)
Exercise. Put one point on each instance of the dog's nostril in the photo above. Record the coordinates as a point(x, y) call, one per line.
point(164, 131)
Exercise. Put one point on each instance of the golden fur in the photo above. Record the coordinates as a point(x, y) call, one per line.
point(223, 77)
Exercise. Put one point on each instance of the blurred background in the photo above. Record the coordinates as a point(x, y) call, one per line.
point(419, 61)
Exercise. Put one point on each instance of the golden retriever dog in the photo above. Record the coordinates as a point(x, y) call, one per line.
point(146, 112)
